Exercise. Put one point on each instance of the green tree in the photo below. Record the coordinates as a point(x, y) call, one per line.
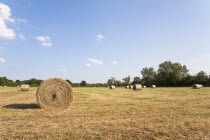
point(127, 81)
point(118, 83)
point(111, 81)
point(201, 78)
point(69, 82)
point(136, 80)
point(83, 83)
point(170, 74)
point(3, 81)
point(148, 76)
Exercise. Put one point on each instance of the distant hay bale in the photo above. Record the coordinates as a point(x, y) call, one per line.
point(24, 87)
point(144, 86)
point(5, 86)
point(126, 87)
point(130, 87)
point(197, 86)
point(54, 93)
point(112, 87)
point(137, 87)
point(153, 86)
point(18, 86)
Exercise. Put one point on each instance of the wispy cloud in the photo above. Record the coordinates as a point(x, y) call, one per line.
point(5, 16)
point(88, 65)
point(95, 61)
point(42, 38)
point(21, 20)
point(115, 62)
point(45, 41)
point(47, 44)
point(21, 37)
point(99, 37)
point(62, 70)
point(2, 60)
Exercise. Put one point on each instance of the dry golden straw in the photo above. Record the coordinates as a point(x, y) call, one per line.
point(137, 87)
point(54, 93)
point(24, 87)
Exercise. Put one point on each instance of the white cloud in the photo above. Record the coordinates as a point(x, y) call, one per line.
point(115, 62)
point(99, 37)
point(88, 65)
point(95, 61)
point(21, 20)
point(21, 37)
point(45, 41)
point(2, 60)
point(5, 32)
point(42, 38)
point(62, 70)
point(47, 44)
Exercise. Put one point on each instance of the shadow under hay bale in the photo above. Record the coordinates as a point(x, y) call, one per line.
point(22, 106)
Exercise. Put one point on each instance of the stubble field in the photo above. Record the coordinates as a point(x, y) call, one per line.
point(100, 113)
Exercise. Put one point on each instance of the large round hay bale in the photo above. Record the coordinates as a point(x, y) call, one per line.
point(54, 93)
point(197, 86)
point(24, 87)
point(137, 87)
point(130, 87)
point(112, 87)
point(153, 86)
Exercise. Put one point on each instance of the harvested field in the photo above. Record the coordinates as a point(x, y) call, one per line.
point(100, 113)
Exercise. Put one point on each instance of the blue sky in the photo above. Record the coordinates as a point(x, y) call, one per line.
point(94, 40)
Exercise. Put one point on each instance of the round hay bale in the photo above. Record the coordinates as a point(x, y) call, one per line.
point(54, 93)
point(24, 87)
point(112, 87)
point(5, 86)
point(144, 86)
point(137, 87)
point(197, 86)
point(153, 86)
point(130, 87)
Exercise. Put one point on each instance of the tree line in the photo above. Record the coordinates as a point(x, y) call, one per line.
point(36, 82)
point(168, 74)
